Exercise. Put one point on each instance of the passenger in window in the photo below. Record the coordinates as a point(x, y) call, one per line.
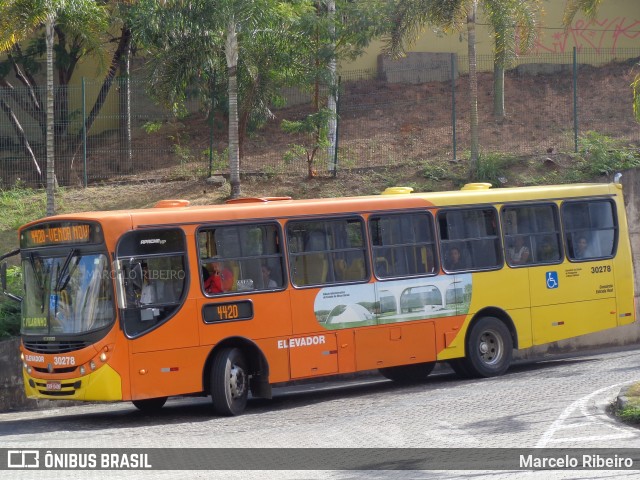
point(455, 260)
point(267, 281)
point(221, 279)
point(519, 254)
point(582, 247)
point(546, 252)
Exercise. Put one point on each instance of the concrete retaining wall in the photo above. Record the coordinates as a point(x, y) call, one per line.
point(11, 385)
point(417, 67)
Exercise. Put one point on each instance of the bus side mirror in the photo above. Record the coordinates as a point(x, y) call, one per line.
point(3, 279)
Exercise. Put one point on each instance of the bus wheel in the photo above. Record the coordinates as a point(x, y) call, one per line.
point(150, 404)
point(229, 382)
point(489, 348)
point(408, 373)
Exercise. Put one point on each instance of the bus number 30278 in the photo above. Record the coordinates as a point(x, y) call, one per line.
point(601, 269)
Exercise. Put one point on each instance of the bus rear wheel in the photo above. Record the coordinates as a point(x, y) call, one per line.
point(150, 404)
point(408, 373)
point(229, 382)
point(489, 348)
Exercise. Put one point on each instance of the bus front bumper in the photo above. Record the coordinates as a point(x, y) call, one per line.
point(103, 384)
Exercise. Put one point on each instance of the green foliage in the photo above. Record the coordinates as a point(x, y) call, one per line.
point(20, 205)
point(602, 155)
point(435, 172)
point(314, 130)
point(630, 414)
point(152, 126)
point(219, 160)
point(295, 152)
point(10, 309)
point(492, 167)
point(312, 123)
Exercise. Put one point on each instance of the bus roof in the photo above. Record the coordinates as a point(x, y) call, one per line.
point(282, 207)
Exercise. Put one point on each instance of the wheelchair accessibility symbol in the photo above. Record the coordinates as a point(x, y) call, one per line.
point(552, 280)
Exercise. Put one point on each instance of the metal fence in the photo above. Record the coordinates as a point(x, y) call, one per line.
point(386, 118)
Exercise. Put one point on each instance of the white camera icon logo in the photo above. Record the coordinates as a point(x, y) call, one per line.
point(23, 459)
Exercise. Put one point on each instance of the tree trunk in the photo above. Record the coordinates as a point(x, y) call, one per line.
point(333, 85)
point(498, 91)
point(4, 106)
point(51, 209)
point(473, 89)
point(231, 52)
point(126, 156)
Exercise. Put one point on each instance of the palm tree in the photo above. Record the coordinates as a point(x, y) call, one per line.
point(409, 17)
point(514, 26)
point(18, 20)
point(189, 42)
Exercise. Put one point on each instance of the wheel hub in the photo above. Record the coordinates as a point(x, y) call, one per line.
point(237, 381)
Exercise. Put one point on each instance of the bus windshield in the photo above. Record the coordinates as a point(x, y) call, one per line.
point(66, 294)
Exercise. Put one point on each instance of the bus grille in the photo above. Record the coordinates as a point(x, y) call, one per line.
point(62, 346)
point(66, 389)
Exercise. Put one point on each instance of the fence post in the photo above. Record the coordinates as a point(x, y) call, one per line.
point(575, 99)
point(84, 131)
point(453, 104)
point(212, 115)
point(335, 151)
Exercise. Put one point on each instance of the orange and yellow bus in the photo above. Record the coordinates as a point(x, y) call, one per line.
point(223, 300)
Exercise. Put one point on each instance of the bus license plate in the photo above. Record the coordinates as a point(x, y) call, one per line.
point(54, 385)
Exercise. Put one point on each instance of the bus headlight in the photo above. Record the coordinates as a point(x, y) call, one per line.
point(103, 357)
point(82, 370)
point(92, 365)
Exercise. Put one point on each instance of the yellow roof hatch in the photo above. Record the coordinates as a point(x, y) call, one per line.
point(397, 190)
point(476, 186)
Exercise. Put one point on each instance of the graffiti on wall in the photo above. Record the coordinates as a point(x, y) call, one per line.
point(602, 35)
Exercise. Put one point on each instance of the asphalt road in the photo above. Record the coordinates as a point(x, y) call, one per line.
point(553, 403)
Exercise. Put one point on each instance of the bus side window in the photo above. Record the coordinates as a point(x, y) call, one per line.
point(242, 251)
point(403, 244)
point(591, 229)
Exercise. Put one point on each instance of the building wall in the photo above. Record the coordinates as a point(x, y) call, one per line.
point(616, 28)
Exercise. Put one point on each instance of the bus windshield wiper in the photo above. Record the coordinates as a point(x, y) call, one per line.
point(39, 278)
point(63, 279)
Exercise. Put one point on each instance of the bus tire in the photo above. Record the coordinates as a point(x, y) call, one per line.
point(150, 404)
point(408, 373)
point(229, 382)
point(489, 348)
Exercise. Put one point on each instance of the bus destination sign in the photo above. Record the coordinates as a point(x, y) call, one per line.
point(60, 233)
point(225, 312)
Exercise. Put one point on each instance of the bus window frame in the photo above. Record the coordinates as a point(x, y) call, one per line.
point(282, 256)
point(445, 244)
point(121, 300)
point(366, 248)
point(566, 233)
point(557, 219)
point(435, 243)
